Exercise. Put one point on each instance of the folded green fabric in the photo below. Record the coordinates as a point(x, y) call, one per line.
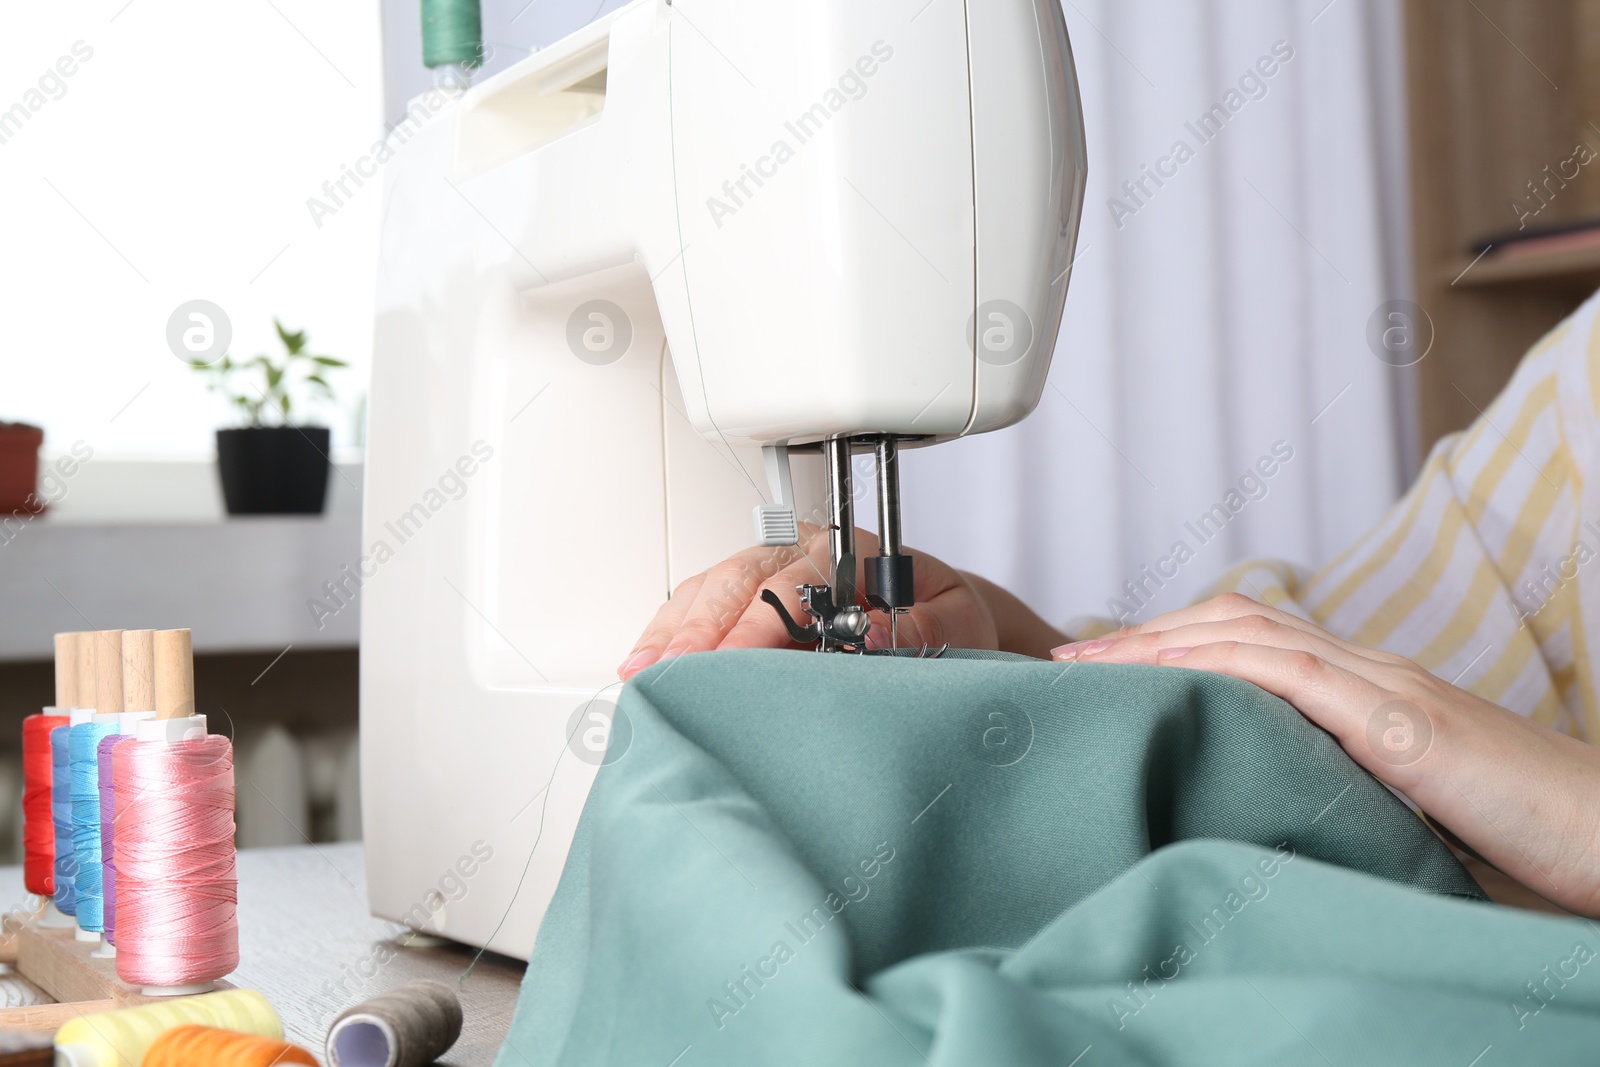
point(983, 859)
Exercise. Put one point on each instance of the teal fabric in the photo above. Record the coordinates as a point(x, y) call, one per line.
point(981, 859)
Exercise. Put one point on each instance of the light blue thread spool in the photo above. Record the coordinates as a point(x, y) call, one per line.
point(84, 776)
point(61, 815)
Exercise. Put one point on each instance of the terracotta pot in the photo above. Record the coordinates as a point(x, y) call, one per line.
point(274, 470)
point(19, 468)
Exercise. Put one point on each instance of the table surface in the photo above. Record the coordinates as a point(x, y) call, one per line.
point(307, 943)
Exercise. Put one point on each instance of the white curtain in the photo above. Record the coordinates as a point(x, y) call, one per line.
point(1212, 318)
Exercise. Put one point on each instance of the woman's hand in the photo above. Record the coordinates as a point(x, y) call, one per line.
point(1524, 797)
point(721, 608)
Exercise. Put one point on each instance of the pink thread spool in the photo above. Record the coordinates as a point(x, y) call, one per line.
point(177, 888)
point(139, 700)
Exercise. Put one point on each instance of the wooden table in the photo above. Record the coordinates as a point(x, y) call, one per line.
point(307, 943)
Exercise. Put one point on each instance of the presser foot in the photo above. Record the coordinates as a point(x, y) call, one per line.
point(835, 629)
point(832, 627)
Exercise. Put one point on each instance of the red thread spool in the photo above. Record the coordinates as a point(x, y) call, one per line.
point(38, 828)
point(38, 831)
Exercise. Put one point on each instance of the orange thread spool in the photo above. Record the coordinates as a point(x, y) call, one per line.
point(188, 1046)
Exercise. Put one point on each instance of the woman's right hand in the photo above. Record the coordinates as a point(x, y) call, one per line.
point(721, 607)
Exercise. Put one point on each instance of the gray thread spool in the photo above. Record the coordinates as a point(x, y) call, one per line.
point(409, 1026)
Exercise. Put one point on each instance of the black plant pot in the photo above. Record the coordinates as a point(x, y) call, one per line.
point(274, 470)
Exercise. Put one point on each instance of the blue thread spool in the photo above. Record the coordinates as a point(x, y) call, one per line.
point(83, 772)
point(61, 815)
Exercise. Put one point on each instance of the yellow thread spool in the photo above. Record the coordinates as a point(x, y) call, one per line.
point(118, 1038)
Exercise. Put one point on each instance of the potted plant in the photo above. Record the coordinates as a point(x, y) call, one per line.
point(19, 468)
point(270, 466)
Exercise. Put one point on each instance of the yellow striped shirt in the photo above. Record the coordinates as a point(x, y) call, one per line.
point(1483, 570)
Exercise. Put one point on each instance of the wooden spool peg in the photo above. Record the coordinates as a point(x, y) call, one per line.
point(66, 672)
point(88, 676)
point(174, 657)
point(107, 671)
point(175, 720)
point(139, 671)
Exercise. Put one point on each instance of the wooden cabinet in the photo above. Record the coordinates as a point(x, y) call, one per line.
point(1500, 90)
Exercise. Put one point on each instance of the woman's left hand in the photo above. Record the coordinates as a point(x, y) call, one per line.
point(1525, 797)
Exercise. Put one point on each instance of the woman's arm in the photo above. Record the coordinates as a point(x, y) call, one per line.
point(1017, 628)
point(1524, 797)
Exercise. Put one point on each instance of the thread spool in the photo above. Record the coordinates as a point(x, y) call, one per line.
point(118, 1038)
point(38, 825)
point(139, 702)
point(108, 870)
point(66, 890)
point(184, 1046)
point(39, 834)
point(409, 1026)
point(452, 41)
point(177, 886)
point(452, 33)
point(83, 743)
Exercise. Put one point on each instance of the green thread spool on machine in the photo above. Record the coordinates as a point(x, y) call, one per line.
point(452, 40)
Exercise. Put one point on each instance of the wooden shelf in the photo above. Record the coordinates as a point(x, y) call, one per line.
point(1579, 268)
point(1498, 91)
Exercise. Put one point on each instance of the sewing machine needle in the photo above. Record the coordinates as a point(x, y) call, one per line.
point(894, 644)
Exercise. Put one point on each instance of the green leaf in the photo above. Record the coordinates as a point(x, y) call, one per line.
point(274, 376)
point(329, 361)
point(294, 342)
point(283, 402)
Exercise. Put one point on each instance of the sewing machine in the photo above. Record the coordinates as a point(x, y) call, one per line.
point(646, 298)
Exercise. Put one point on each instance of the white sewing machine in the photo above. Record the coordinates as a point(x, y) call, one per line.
point(612, 275)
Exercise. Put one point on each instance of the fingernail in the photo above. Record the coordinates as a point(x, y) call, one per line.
point(1172, 653)
point(1079, 649)
point(637, 662)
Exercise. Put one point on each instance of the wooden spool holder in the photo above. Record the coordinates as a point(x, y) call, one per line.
point(68, 973)
point(64, 968)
